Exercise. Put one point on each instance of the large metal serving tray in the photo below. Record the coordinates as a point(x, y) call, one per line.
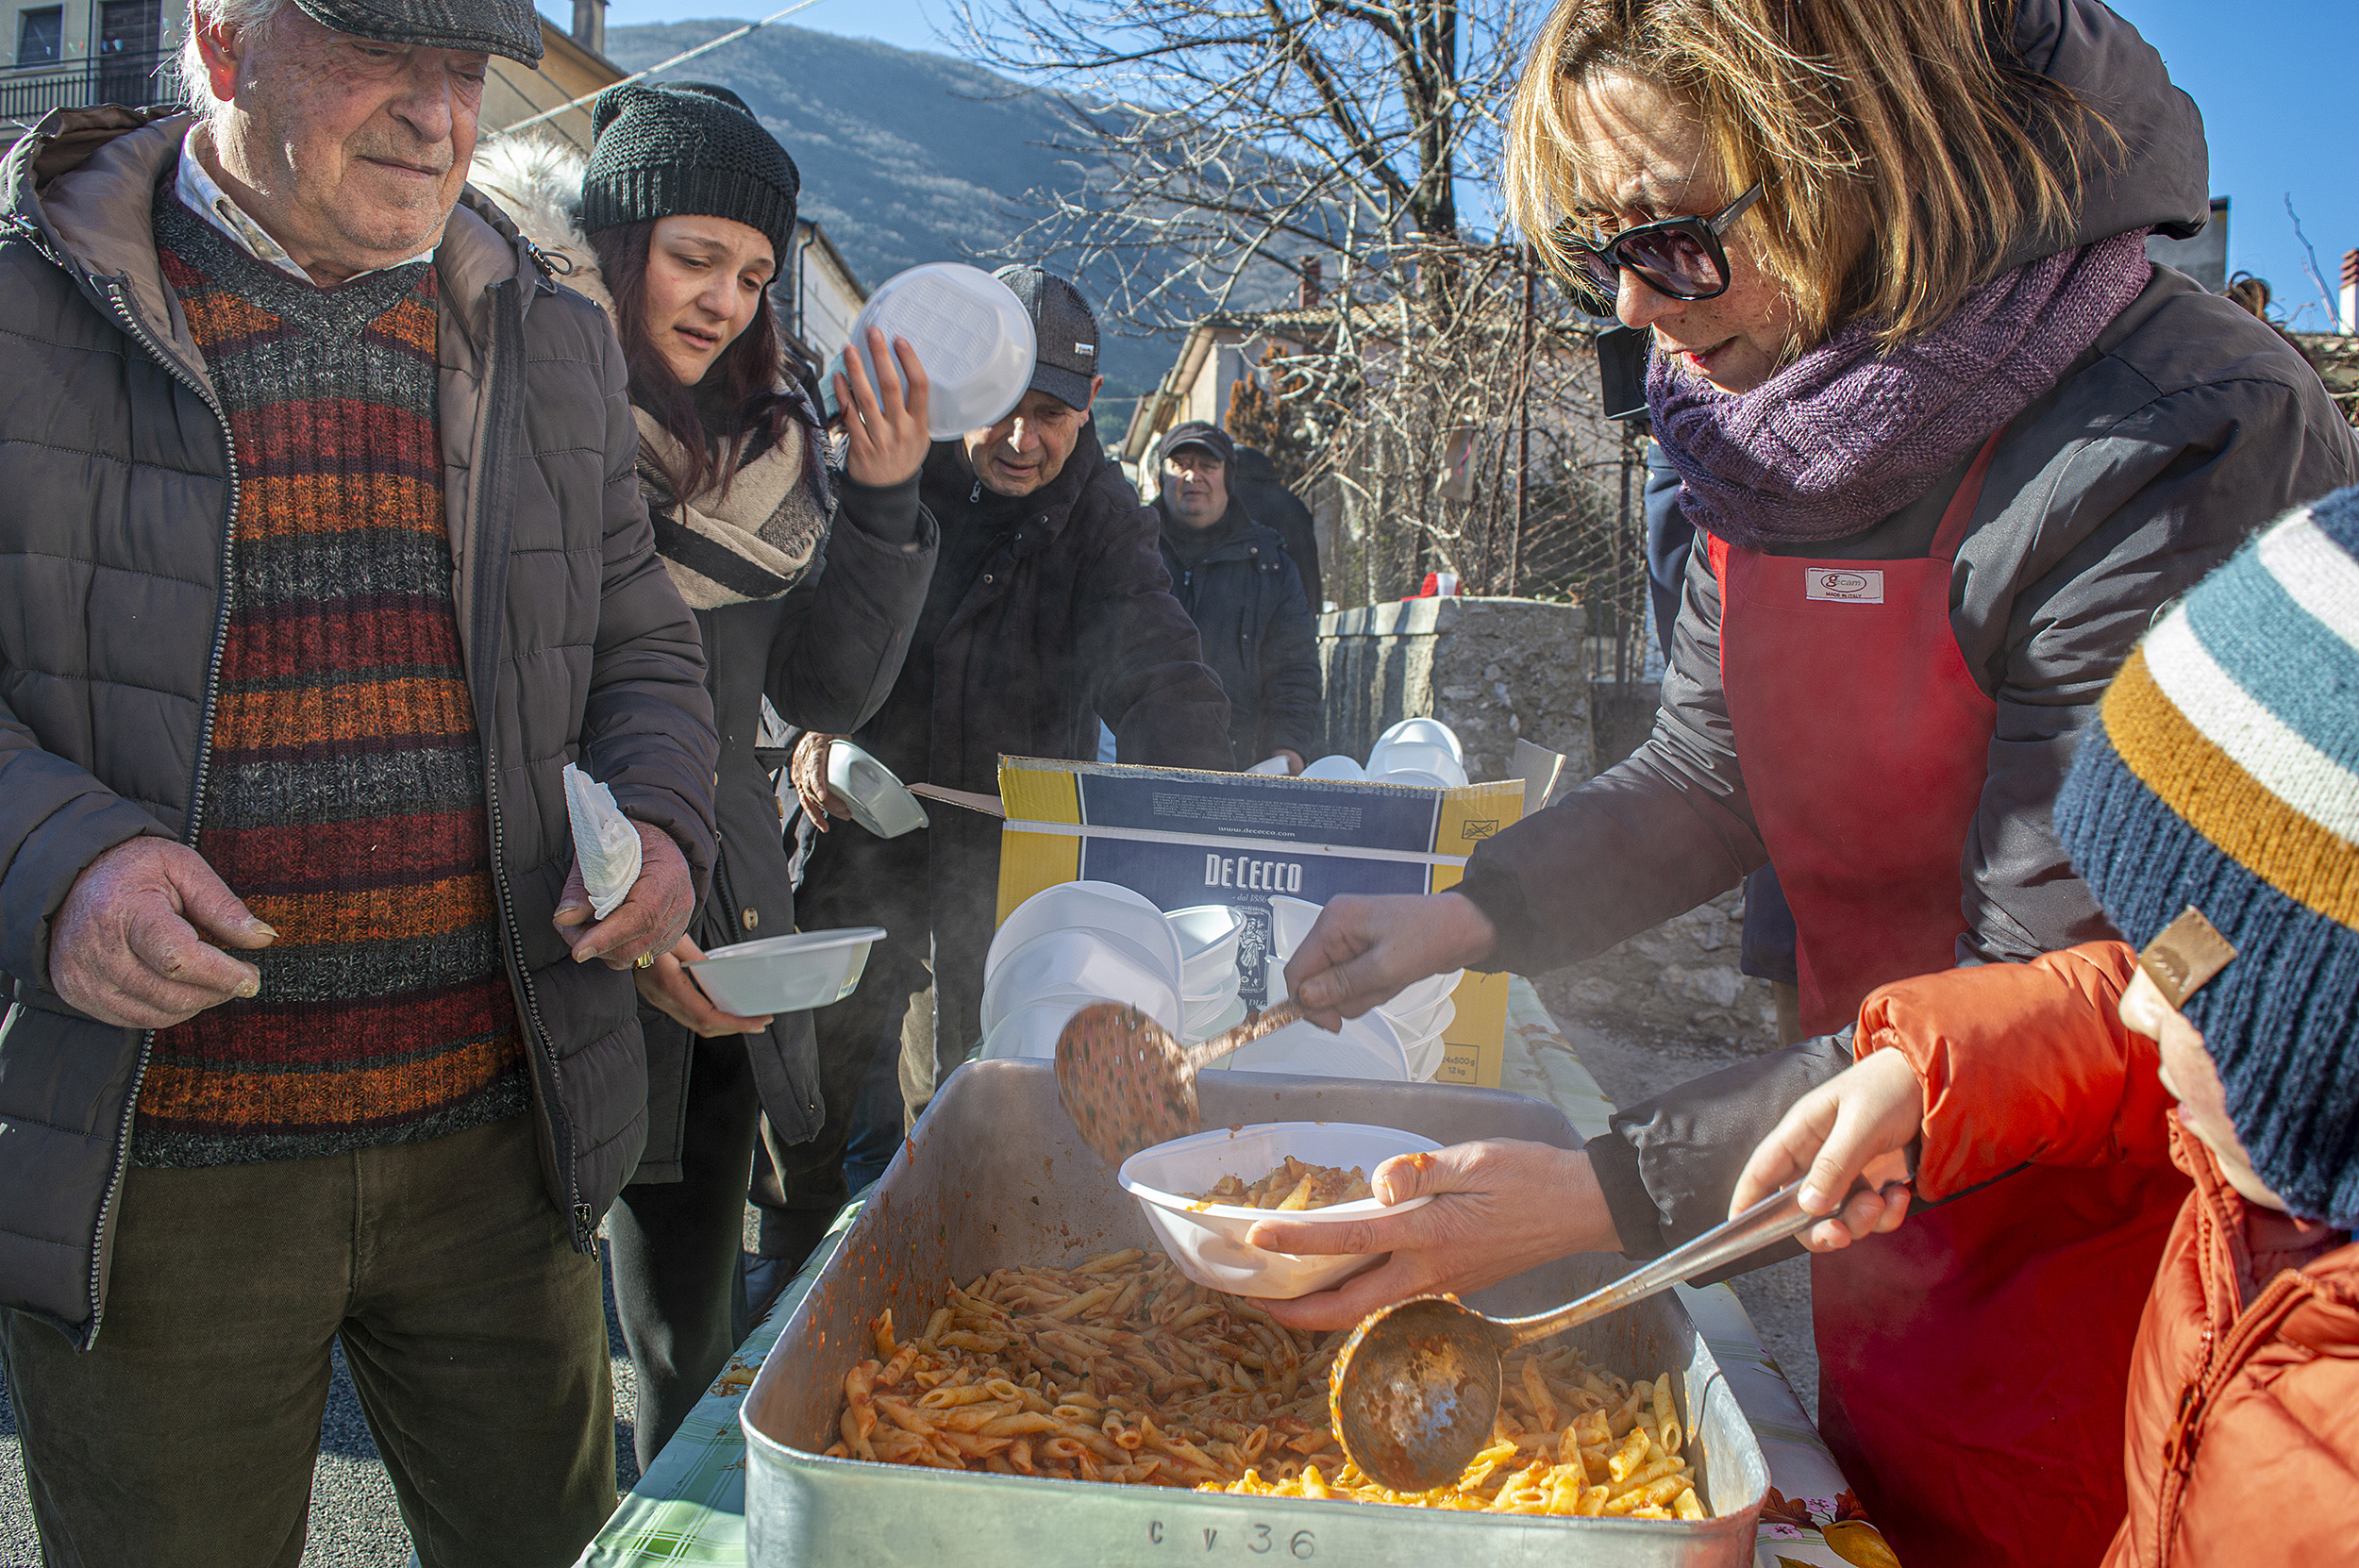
point(995, 1177)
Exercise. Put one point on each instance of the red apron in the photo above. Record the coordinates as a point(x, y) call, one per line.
point(1973, 1364)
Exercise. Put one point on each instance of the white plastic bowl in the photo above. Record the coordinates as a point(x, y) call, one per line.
point(790, 973)
point(1207, 1019)
point(1412, 778)
point(1209, 1245)
point(1425, 1058)
point(1290, 921)
point(1090, 963)
point(878, 800)
point(1424, 732)
point(1416, 1024)
point(1337, 766)
point(971, 333)
point(1031, 1030)
point(1366, 1048)
point(1390, 763)
point(1087, 907)
point(1420, 995)
point(1208, 935)
point(1271, 765)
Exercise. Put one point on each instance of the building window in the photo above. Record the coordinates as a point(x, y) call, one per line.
point(130, 45)
point(40, 36)
point(130, 26)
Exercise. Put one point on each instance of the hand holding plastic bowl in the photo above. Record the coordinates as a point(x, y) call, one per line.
point(970, 331)
point(1207, 1240)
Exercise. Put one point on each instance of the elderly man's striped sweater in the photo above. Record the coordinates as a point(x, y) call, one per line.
point(345, 797)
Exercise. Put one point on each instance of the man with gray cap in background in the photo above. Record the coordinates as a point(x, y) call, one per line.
point(1246, 596)
point(1049, 609)
point(302, 618)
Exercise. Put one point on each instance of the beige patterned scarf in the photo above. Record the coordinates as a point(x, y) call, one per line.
point(754, 542)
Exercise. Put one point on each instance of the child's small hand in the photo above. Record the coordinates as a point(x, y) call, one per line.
point(1855, 1126)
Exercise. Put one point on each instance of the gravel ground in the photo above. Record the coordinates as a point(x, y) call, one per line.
point(356, 1522)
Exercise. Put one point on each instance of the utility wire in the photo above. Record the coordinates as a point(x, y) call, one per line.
point(665, 65)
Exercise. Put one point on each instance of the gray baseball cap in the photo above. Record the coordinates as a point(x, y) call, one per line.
point(1066, 360)
point(1196, 432)
point(510, 27)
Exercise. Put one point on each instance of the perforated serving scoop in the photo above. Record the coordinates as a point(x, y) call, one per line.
point(1128, 1085)
point(1415, 1391)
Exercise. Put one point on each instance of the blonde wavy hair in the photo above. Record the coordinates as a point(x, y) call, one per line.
point(1901, 149)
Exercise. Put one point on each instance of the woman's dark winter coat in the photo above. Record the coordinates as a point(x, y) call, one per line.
point(825, 654)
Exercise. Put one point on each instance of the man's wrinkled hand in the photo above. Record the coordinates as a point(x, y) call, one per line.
point(668, 987)
point(133, 943)
point(808, 771)
point(1364, 950)
point(1498, 1208)
point(651, 918)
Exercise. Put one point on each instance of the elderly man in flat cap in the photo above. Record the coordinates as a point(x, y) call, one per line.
point(320, 556)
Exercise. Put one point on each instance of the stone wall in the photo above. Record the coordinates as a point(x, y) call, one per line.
point(1494, 669)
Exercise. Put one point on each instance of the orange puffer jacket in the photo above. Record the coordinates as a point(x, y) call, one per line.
point(2242, 1435)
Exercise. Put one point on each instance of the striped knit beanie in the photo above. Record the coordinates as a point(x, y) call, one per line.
point(2224, 775)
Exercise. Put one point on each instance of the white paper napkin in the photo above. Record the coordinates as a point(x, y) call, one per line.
point(605, 841)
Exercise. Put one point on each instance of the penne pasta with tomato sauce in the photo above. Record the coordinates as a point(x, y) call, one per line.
point(1294, 1186)
point(1121, 1369)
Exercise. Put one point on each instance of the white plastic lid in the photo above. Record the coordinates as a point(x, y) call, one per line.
point(971, 333)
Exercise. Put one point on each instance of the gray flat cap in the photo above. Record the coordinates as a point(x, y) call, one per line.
point(510, 27)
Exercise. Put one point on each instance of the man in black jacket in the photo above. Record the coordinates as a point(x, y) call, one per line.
point(1049, 609)
point(1241, 587)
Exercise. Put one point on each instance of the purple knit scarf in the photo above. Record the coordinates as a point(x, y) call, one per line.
point(1846, 436)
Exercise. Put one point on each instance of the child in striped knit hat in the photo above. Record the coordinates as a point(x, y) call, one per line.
point(2215, 810)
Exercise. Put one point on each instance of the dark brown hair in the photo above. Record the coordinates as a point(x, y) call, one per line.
point(742, 384)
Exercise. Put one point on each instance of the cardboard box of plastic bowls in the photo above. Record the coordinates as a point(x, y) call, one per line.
point(1183, 839)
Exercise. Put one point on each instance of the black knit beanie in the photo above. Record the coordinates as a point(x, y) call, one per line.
point(665, 150)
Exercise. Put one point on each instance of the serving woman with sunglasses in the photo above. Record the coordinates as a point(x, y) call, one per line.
point(1951, 441)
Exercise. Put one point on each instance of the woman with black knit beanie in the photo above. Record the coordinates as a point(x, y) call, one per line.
point(806, 584)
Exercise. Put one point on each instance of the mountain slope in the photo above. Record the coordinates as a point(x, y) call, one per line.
point(904, 157)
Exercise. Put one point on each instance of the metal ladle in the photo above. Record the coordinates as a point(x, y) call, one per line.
point(1415, 1389)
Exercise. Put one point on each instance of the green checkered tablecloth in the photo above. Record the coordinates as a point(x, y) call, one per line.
point(690, 1506)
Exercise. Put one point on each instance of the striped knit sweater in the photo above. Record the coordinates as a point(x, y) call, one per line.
point(345, 795)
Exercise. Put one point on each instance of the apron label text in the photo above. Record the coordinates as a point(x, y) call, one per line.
point(1862, 588)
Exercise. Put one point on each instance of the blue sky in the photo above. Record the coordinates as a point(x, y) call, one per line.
point(2272, 77)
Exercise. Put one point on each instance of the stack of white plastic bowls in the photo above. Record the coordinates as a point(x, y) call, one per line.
point(1418, 751)
point(1210, 997)
point(1068, 946)
point(1415, 751)
point(1416, 1018)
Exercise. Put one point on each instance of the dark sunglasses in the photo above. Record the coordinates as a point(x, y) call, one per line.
point(1678, 258)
